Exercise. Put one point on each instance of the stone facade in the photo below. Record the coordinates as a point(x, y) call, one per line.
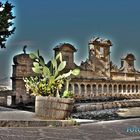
point(98, 74)
point(22, 68)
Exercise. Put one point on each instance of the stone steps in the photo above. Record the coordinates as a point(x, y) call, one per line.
point(129, 112)
point(107, 105)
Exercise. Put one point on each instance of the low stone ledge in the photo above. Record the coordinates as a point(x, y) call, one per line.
point(42, 123)
point(108, 105)
point(129, 112)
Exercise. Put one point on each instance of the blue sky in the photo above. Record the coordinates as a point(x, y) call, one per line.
point(42, 24)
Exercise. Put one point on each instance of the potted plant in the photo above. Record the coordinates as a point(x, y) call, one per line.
point(47, 85)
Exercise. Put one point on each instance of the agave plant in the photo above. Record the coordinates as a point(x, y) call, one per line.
point(50, 78)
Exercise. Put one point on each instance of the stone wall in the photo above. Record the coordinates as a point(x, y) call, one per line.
point(4, 95)
point(98, 74)
point(22, 68)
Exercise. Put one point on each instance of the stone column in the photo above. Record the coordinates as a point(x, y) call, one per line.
point(117, 88)
point(97, 89)
point(134, 89)
point(126, 89)
point(72, 85)
point(138, 88)
point(130, 88)
point(121, 91)
point(79, 89)
point(84, 92)
point(90, 89)
point(112, 88)
point(107, 88)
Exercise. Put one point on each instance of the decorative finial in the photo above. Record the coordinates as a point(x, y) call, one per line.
point(24, 49)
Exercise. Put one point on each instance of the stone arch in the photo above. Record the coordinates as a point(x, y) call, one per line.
point(110, 88)
point(82, 86)
point(133, 88)
point(94, 88)
point(20, 99)
point(137, 88)
point(128, 88)
point(76, 89)
point(124, 88)
point(105, 88)
point(120, 88)
point(89, 89)
point(115, 88)
point(70, 87)
point(99, 88)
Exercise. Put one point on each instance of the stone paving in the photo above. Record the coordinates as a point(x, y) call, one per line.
point(111, 130)
point(17, 118)
point(102, 130)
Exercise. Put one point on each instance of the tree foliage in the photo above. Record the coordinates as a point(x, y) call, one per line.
point(6, 18)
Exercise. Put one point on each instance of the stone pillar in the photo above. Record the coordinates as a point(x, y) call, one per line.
point(85, 89)
point(139, 88)
point(96, 89)
point(117, 89)
point(79, 89)
point(126, 88)
point(91, 89)
point(107, 89)
point(122, 88)
point(130, 88)
point(72, 85)
point(113, 88)
point(136, 88)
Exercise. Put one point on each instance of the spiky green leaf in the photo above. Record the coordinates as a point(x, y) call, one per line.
point(59, 77)
point(35, 64)
point(76, 72)
point(59, 56)
point(46, 71)
point(37, 70)
point(41, 61)
point(54, 63)
point(62, 65)
point(51, 80)
point(67, 74)
point(32, 56)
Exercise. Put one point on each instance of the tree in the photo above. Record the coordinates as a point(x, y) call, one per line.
point(6, 17)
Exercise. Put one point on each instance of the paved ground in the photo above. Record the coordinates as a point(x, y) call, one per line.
point(112, 130)
point(115, 130)
point(17, 118)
